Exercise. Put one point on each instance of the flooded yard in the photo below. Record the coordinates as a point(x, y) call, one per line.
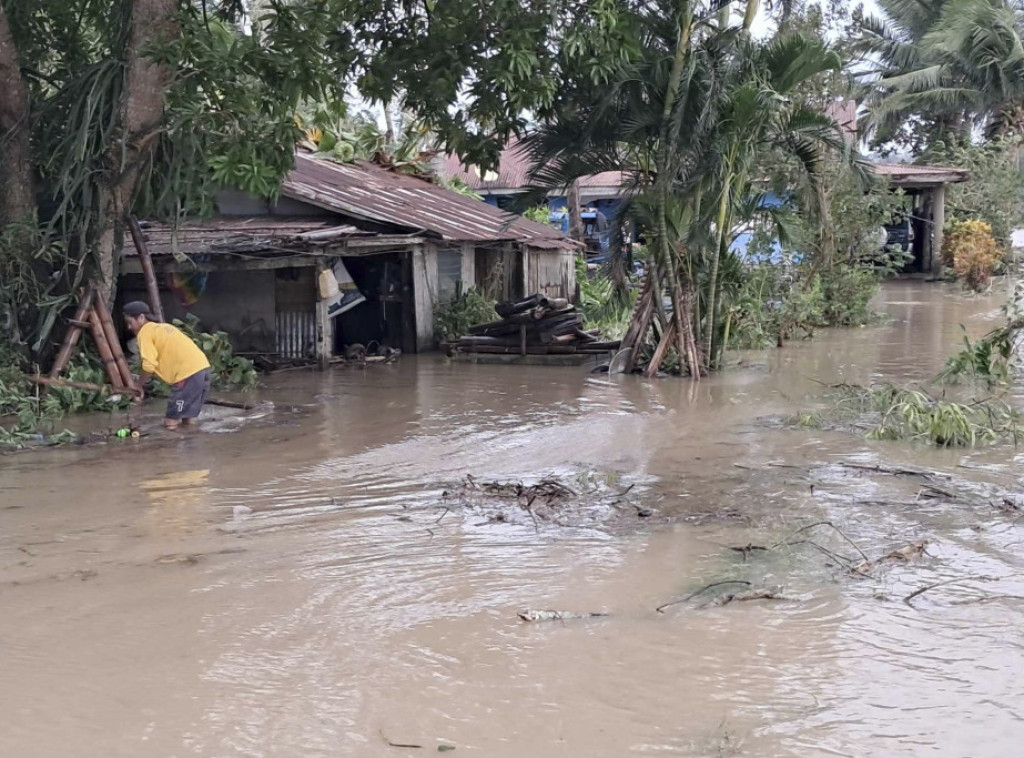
point(304, 584)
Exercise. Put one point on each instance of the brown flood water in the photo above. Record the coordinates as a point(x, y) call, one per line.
point(292, 586)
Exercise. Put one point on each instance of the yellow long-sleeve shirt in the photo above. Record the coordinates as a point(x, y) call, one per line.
point(168, 352)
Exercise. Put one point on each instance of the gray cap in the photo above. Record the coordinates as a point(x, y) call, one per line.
point(136, 308)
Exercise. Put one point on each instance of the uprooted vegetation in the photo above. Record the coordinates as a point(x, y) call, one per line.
point(887, 412)
point(926, 414)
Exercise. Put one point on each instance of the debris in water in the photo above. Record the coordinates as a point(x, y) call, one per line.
point(757, 594)
point(389, 743)
point(533, 616)
point(593, 500)
point(701, 591)
point(904, 554)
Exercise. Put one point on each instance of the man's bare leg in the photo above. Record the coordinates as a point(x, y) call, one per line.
point(171, 424)
point(187, 421)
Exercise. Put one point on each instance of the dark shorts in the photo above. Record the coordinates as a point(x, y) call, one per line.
point(188, 396)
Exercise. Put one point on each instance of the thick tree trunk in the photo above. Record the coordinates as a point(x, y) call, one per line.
point(141, 115)
point(17, 194)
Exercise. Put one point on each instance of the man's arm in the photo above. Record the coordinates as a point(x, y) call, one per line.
point(140, 385)
point(148, 354)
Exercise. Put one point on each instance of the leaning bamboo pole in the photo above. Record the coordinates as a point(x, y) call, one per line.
point(114, 341)
point(103, 348)
point(74, 333)
point(148, 271)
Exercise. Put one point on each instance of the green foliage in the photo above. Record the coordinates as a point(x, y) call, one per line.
point(541, 214)
point(602, 303)
point(992, 358)
point(897, 413)
point(468, 308)
point(29, 414)
point(996, 187)
point(227, 369)
point(943, 69)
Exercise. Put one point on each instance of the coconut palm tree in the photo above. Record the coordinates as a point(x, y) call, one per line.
point(940, 68)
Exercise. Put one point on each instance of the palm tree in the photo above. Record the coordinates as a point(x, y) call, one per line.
point(939, 68)
point(687, 119)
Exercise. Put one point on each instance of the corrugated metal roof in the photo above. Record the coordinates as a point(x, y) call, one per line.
point(514, 173)
point(906, 174)
point(367, 191)
point(251, 235)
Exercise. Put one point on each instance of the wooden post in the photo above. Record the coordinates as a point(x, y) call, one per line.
point(324, 343)
point(147, 268)
point(114, 341)
point(938, 224)
point(74, 333)
point(103, 348)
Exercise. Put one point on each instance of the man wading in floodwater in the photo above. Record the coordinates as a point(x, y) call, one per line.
point(167, 352)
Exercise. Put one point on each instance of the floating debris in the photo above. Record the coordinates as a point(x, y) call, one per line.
point(533, 616)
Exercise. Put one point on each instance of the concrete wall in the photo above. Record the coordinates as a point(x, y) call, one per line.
point(241, 303)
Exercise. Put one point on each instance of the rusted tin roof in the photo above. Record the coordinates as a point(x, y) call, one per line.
point(909, 175)
point(366, 191)
point(514, 173)
point(224, 235)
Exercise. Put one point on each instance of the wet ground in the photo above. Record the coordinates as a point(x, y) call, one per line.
point(297, 584)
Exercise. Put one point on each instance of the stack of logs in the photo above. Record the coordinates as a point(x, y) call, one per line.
point(94, 316)
point(537, 325)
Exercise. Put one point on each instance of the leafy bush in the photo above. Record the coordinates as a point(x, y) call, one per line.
point(468, 308)
point(227, 369)
point(971, 250)
point(30, 413)
point(602, 307)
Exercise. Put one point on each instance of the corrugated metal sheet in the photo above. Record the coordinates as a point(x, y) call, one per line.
point(514, 173)
point(226, 235)
point(367, 191)
point(296, 334)
point(905, 174)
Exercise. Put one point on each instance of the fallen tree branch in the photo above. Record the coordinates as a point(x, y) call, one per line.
point(947, 582)
point(691, 596)
point(829, 524)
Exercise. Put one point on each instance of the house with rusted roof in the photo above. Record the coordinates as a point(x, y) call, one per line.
point(405, 245)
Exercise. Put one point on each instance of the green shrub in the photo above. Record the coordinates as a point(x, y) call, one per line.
point(227, 369)
point(468, 308)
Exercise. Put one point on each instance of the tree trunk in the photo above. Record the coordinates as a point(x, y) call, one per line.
point(141, 114)
point(17, 194)
point(389, 125)
point(575, 212)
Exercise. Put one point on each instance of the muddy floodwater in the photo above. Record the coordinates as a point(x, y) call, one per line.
point(302, 582)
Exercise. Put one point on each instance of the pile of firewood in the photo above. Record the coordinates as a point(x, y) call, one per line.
point(538, 325)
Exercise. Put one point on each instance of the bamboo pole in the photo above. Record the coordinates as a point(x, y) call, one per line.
point(103, 347)
point(51, 382)
point(148, 272)
point(73, 334)
point(114, 341)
